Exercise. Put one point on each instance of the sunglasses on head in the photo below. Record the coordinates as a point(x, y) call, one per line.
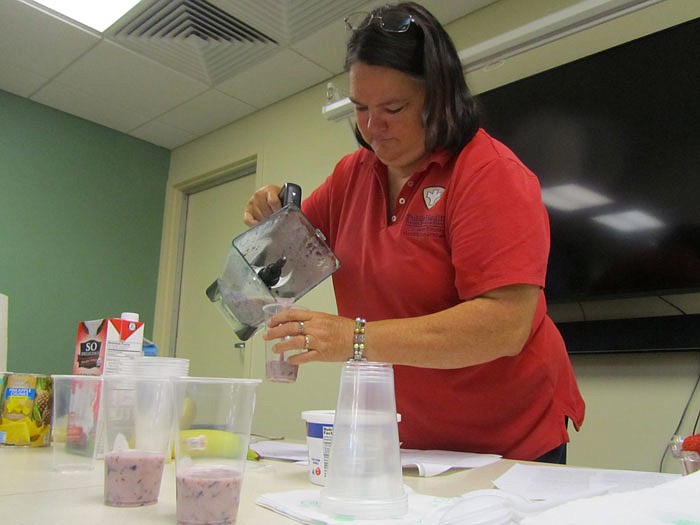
point(392, 22)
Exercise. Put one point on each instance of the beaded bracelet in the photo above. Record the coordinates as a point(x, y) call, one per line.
point(358, 341)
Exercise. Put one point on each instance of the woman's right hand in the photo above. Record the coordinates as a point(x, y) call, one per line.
point(263, 203)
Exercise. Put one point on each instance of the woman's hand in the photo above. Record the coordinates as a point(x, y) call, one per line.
point(493, 325)
point(329, 337)
point(263, 203)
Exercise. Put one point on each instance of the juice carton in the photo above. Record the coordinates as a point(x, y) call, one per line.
point(103, 345)
point(106, 347)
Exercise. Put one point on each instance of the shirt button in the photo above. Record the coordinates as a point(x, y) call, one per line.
point(410, 183)
point(393, 218)
point(402, 201)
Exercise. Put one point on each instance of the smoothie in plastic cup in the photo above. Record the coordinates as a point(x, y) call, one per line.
point(137, 413)
point(277, 368)
point(207, 495)
point(213, 418)
point(132, 477)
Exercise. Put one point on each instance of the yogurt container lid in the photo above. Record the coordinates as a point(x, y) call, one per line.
point(325, 417)
point(319, 416)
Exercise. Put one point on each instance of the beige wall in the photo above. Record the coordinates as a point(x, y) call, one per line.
point(634, 401)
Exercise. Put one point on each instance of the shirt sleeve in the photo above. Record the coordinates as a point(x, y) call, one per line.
point(498, 227)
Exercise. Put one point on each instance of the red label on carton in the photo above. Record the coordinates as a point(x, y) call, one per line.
point(102, 342)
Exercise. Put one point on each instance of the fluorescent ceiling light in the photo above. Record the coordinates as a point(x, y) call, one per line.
point(97, 14)
point(571, 197)
point(630, 221)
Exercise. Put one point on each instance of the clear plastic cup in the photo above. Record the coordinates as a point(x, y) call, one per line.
point(689, 460)
point(137, 413)
point(76, 407)
point(319, 436)
point(364, 479)
point(277, 368)
point(213, 417)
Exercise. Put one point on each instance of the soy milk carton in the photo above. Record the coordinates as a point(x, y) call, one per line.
point(108, 346)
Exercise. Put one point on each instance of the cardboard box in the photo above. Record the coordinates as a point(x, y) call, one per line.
point(103, 345)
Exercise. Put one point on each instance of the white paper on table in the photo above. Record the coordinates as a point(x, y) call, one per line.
point(672, 503)
point(281, 450)
point(305, 506)
point(433, 462)
point(428, 462)
point(535, 482)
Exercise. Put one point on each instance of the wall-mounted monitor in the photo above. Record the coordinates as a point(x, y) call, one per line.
point(615, 141)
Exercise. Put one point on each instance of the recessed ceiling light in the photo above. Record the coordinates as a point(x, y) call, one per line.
point(630, 221)
point(571, 197)
point(97, 14)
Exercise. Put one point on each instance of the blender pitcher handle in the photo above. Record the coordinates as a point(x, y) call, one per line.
point(290, 194)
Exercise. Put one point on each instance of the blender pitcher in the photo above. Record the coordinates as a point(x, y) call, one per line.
point(278, 260)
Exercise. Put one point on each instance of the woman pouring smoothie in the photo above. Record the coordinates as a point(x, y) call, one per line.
point(443, 239)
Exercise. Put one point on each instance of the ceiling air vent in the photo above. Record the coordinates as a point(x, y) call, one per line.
point(194, 37)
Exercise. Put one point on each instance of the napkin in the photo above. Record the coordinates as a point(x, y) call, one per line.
point(305, 506)
point(434, 462)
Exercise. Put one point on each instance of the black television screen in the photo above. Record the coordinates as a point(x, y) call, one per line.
point(615, 141)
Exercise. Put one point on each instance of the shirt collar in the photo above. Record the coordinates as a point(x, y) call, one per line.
point(439, 157)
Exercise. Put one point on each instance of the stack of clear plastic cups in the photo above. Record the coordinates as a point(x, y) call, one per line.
point(364, 478)
point(161, 366)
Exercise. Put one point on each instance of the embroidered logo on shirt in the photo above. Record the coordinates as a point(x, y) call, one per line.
point(431, 195)
point(424, 226)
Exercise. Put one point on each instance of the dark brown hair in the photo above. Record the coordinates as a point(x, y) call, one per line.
point(426, 52)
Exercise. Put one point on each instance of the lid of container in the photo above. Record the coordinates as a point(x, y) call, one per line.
point(325, 417)
point(130, 316)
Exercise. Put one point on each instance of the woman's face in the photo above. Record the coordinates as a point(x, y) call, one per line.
point(388, 109)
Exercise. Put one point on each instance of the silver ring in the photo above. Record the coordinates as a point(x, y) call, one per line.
point(307, 342)
point(301, 327)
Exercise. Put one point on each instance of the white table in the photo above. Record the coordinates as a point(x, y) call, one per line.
point(31, 493)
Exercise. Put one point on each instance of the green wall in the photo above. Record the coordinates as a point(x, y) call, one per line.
point(81, 211)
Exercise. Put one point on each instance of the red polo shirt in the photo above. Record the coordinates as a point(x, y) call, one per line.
point(462, 226)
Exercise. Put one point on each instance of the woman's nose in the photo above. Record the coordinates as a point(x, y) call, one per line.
point(374, 120)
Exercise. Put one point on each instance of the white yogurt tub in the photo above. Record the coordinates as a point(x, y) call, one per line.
point(319, 433)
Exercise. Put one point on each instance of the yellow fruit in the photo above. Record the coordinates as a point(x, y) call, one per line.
point(209, 443)
point(16, 433)
point(33, 429)
point(189, 412)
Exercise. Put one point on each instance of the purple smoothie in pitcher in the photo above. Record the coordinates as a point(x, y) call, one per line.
point(207, 496)
point(132, 477)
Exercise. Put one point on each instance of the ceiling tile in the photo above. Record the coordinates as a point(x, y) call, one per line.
point(206, 112)
point(163, 135)
point(88, 105)
point(131, 81)
point(325, 47)
point(260, 85)
point(39, 42)
point(447, 11)
point(19, 80)
point(119, 80)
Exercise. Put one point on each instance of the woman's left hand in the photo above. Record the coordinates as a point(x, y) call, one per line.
point(325, 337)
